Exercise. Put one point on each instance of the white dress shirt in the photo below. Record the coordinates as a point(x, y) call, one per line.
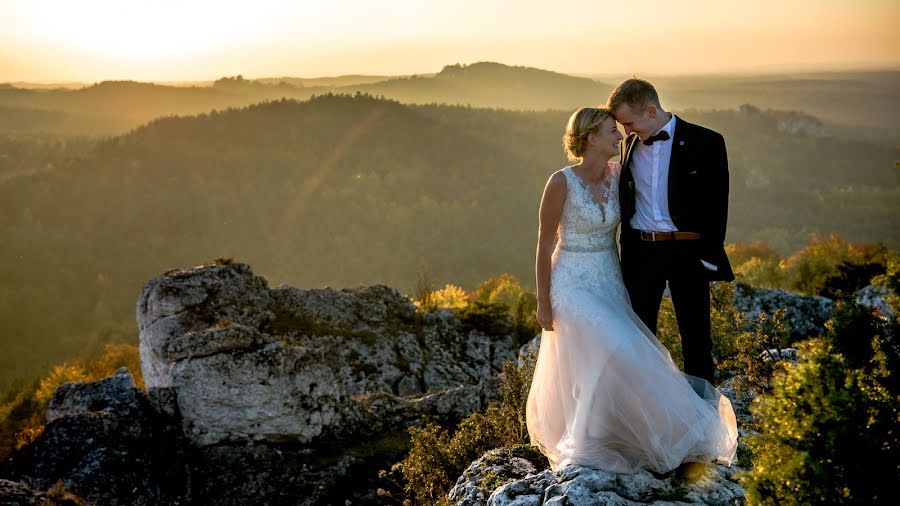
point(650, 168)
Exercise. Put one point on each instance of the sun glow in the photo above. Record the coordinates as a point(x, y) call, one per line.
point(128, 30)
point(207, 39)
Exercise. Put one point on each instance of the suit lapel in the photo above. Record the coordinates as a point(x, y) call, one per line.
point(678, 160)
point(629, 143)
point(626, 180)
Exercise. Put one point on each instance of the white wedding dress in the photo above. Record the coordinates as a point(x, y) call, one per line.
point(606, 393)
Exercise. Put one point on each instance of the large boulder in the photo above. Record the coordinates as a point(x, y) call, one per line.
point(241, 362)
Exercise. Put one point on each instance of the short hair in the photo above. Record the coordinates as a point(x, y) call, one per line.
point(637, 93)
point(582, 123)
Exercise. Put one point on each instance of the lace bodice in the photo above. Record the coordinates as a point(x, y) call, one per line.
point(586, 260)
point(586, 224)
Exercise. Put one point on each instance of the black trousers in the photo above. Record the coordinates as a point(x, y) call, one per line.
point(646, 266)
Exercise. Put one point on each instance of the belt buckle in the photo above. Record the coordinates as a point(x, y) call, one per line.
point(653, 235)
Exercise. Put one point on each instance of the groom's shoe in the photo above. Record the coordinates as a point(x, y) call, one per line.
point(690, 471)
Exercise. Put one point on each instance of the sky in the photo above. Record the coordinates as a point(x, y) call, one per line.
point(185, 40)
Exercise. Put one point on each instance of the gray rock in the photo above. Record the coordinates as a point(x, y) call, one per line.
point(531, 346)
point(236, 361)
point(115, 394)
point(521, 483)
point(105, 443)
point(873, 297)
point(182, 303)
point(19, 494)
point(806, 315)
point(776, 354)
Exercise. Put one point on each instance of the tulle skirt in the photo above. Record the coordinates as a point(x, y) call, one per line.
point(606, 394)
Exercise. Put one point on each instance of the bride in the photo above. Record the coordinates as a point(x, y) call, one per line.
point(605, 392)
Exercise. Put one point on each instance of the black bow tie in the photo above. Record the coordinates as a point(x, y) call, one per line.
point(662, 136)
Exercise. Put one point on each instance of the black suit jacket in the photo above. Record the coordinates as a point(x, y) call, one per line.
point(698, 190)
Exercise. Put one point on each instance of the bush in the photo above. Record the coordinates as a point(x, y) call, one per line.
point(754, 371)
point(807, 270)
point(437, 458)
point(667, 331)
point(726, 324)
point(491, 318)
point(521, 304)
point(829, 433)
point(890, 281)
point(423, 291)
point(726, 320)
point(762, 273)
point(850, 278)
point(756, 264)
point(451, 297)
point(741, 253)
point(851, 329)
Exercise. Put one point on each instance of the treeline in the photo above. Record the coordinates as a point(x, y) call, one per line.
point(343, 190)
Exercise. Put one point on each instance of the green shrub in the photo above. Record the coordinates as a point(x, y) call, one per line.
point(525, 325)
point(829, 433)
point(451, 297)
point(849, 278)
point(851, 329)
point(726, 320)
point(756, 264)
point(667, 331)
point(489, 317)
point(754, 372)
point(890, 281)
point(726, 324)
point(807, 270)
point(437, 457)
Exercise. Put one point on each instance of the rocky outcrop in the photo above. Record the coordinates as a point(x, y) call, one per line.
point(260, 396)
point(507, 477)
point(244, 362)
point(105, 443)
point(806, 315)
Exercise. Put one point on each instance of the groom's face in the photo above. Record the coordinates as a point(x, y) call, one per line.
point(635, 119)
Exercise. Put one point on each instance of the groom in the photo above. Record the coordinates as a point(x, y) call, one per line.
point(674, 196)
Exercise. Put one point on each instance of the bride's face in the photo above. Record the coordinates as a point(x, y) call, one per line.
point(607, 138)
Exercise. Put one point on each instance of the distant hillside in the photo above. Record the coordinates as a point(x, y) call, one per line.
point(323, 82)
point(858, 104)
point(861, 105)
point(494, 85)
point(113, 107)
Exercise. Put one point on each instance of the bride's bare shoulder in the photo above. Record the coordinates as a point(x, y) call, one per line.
point(558, 179)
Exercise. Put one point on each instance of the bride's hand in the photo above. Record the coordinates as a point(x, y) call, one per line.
point(545, 316)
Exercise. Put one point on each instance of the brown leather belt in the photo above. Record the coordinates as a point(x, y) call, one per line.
point(648, 235)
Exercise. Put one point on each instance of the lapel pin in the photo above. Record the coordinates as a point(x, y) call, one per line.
point(681, 143)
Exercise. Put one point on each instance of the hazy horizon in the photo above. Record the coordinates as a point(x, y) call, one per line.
point(200, 40)
point(763, 71)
